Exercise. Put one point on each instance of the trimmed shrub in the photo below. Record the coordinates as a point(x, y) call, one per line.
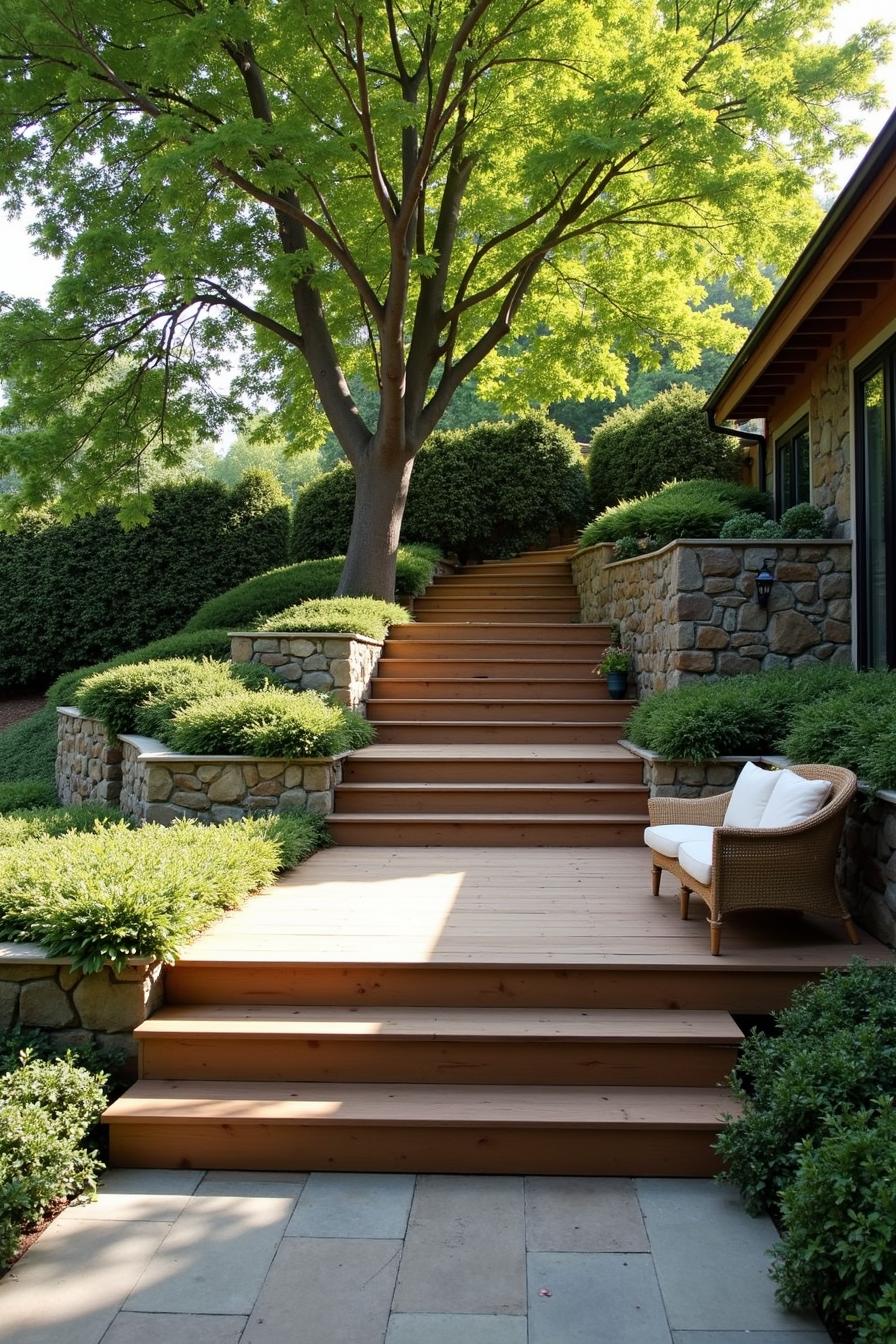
point(47, 1109)
point(626, 548)
point(23, 794)
point(751, 524)
point(81, 592)
point(276, 722)
point(637, 449)
point(45, 821)
point(244, 607)
point(834, 1054)
point(186, 644)
point(838, 1220)
point(114, 893)
point(804, 521)
point(143, 697)
point(697, 508)
point(358, 615)
point(490, 491)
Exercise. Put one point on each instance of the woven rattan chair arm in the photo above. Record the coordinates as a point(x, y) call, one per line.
point(688, 811)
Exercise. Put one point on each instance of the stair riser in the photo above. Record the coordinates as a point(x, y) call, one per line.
point(503, 986)
point(487, 1063)
point(488, 688)
point(516, 633)
point(494, 609)
point(388, 830)
point(526, 734)
point(477, 585)
point(436, 655)
point(484, 670)
point(552, 1151)
point(570, 711)
point(502, 798)
point(357, 770)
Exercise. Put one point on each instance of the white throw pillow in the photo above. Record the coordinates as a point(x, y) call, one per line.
point(668, 839)
point(794, 800)
point(695, 857)
point(752, 793)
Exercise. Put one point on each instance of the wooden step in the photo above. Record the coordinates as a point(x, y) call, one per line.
point(491, 764)
point(557, 652)
point(495, 829)
point(518, 584)
point(389, 686)
point(511, 799)
point(419, 1045)
point(651, 1131)
point(382, 709)
point(508, 570)
point(525, 732)
point(496, 608)
point(485, 668)
point(508, 631)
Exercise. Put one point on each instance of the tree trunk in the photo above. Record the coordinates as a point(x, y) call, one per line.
point(381, 490)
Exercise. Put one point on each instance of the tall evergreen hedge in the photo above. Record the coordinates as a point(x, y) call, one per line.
point(482, 493)
point(78, 593)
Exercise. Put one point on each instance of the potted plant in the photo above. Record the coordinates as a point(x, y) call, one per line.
point(615, 666)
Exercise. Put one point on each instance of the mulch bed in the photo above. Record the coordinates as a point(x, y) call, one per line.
point(17, 705)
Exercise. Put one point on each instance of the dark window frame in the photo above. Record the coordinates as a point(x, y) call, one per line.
point(786, 444)
point(883, 360)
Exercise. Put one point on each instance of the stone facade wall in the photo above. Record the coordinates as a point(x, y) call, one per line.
point(830, 433)
point(76, 1009)
point(341, 665)
point(88, 765)
point(689, 611)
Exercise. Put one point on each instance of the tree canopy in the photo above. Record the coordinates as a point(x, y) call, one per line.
point(260, 203)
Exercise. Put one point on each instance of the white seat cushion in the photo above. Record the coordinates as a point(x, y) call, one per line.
point(794, 800)
point(695, 857)
point(667, 839)
point(750, 797)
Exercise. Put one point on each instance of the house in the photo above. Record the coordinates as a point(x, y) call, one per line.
point(819, 370)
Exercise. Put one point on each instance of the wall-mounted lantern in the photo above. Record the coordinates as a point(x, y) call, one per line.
point(764, 581)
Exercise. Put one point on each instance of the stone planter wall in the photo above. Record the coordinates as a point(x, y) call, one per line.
point(76, 1009)
point(88, 765)
point(155, 784)
point(689, 610)
point(341, 665)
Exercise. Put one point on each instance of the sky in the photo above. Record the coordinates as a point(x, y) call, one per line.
point(26, 275)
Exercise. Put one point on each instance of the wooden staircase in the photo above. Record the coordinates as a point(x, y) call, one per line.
point(492, 732)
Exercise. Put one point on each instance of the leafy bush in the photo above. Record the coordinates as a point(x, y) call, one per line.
point(43, 821)
point(751, 524)
point(698, 508)
point(854, 727)
point(60, 612)
point(485, 492)
point(207, 643)
point(28, 749)
point(275, 722)
point(803, 520)
point(22, 794)
point(626, 548)
point(115, 893)
point(839, 1225)
point(47, 1109)
point(835, 1053)
point(359, 615)
point(636, 449)
point(244, 607)
point(143, 697)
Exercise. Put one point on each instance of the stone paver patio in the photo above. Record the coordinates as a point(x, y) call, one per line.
point(187, 1257)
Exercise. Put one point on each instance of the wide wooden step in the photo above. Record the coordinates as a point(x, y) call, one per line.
point(425, 1045)
point(517, 573)
point(475, 609)
point(521, 687)
point(472, 798)
point(523, 732)
point(494, 829)
point(507, 631)
point(519, 709)
point(555, 653)
point(485, 668)
point(442, 763)
point(515, 584)
point(651, 1131)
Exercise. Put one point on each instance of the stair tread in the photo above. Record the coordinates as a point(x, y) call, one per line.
point(452, 786)
point(492, 818)
point(421, 1104)
point(630, 1025)
point(509, 751)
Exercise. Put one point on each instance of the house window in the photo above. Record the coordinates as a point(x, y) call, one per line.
point(792, 483)
point(876, 507)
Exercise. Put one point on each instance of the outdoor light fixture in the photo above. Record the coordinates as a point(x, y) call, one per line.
point(764, 580)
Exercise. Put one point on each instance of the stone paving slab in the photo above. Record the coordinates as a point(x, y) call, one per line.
point(133, 1195)
point(159, 1327)
point(749, 1336)
point(578, 1298)
point(583, 1213)
point(353, 1204)
point(421, 1328)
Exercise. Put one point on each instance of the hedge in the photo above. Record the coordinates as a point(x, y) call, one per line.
point(697, 508)
point(103, 896)
point(143, 697)
point(276, 723)
point(486, 492)
point(637, 449)
point(245, 606)
point(81, 592)
point(359, 615)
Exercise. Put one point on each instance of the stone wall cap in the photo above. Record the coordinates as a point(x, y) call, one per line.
point(305, 634)
point(24, 954)
point(159, 754)
point(756, 542)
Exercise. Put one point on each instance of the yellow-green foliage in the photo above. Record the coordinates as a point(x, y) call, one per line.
point(357, 615)
point(268, 723)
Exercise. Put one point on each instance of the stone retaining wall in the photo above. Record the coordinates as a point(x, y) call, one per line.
point(88, 765)
point(76, 1009)
point(341, 665)
point(689, 610)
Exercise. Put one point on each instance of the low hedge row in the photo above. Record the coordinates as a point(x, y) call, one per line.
point(816, 1145)
point(144, 697)
point(823, 714)
point(112, 893)
point(358, 615)
point(698, 508)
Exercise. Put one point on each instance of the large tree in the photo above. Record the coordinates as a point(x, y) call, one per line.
point(299, 191)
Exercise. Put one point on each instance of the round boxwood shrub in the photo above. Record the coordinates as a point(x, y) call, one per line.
point(637, 449)
point(490, 491)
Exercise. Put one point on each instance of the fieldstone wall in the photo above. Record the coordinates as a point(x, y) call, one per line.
point(341, 665)
point(830, 431)
point(689, 610)
point(76, 1009)
point(88, 765)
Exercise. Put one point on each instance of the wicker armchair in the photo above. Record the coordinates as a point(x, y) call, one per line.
point(788, 869)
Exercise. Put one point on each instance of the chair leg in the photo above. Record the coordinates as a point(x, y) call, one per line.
point(684, 899)
point(852, 932)
point(715, 936)
point(656, 874)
